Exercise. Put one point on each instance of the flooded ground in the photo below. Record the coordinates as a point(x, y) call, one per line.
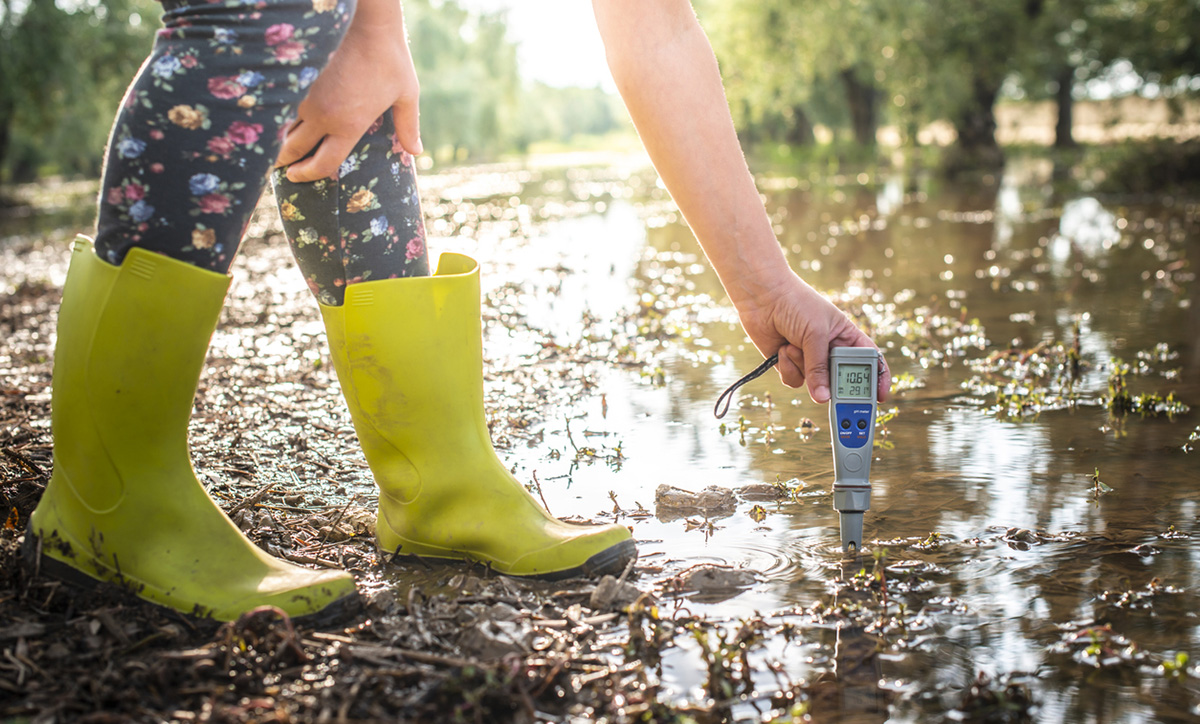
point(1033, 534)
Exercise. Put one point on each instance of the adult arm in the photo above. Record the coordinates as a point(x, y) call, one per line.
point(371, 71)
point(667, 75)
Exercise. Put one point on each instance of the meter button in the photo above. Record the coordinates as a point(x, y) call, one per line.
point(853, 462)
point(862, 424)
point(845, 424)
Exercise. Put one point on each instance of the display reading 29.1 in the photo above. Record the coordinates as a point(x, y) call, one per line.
point(854, 380)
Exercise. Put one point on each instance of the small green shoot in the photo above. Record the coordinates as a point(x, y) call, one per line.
point(1176, 668)
point(1099, 487)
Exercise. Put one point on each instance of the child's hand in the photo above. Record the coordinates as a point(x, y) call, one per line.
point(371, 71)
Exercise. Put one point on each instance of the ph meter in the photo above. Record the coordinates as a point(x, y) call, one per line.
point(854, 374)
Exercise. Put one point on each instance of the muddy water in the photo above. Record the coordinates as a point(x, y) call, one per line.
point(1007, 555)
point(1000, 551)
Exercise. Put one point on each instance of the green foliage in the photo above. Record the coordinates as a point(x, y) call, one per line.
point(473, 103)
point(789, 64)
point(63, 66)
point(1121, 401)
point(1143, 167)
point(468, 73)
point(1160, 38)
point(1176, 668)
point(563, 114)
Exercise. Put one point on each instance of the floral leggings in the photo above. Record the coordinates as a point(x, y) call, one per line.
point(200, 128)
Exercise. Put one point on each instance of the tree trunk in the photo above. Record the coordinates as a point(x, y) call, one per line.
point(976, 126)
point(800, 130)
point(5, 134)
point(1063, 137)
point(863, 100)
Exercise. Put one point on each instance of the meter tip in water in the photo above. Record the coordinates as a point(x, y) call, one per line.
point(852, 531)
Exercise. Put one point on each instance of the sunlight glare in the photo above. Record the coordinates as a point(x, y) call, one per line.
point(558, 43)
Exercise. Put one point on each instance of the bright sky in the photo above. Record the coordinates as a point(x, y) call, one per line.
point(557, 40)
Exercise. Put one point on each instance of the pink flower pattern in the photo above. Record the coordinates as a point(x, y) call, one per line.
point(201, 124)
point(340, 239)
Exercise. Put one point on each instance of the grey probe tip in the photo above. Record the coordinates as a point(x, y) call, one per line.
point(852, 532)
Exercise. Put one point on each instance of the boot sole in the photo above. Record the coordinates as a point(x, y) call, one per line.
point(610, 561)
point(336, 612)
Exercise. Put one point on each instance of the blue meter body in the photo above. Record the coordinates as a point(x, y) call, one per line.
point(854, 377)
point(854, 423)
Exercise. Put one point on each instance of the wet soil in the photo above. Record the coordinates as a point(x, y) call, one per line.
point(1033, 529)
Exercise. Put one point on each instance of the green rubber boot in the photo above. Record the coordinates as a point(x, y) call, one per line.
point(123, 503)
point(408, 353)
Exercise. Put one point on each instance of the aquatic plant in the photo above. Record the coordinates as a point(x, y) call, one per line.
point(1193, 438)
point(997, 701)
point(904, 382)
point(1148, 404)
point(1139, 599)
point(882, 418)
point(1099, 647)
point(726, 660)
point(1099, 487)
point(1175, 667)
point(787, 489)
point(1160, 354)
point(1027, 382)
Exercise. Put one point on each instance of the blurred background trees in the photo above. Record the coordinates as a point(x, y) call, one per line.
point(64, 65)
point(855, 64)
point(63, 68)
point(799, 73)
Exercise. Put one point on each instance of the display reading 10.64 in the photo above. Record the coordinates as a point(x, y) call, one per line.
point(853, 380)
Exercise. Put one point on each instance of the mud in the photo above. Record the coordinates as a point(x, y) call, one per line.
point(1033, 532)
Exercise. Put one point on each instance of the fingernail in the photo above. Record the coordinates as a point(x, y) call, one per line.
point(822, 394)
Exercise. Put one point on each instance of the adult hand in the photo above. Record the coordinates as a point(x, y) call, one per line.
point(371, 71)
point(793, 319)
point(668, 76)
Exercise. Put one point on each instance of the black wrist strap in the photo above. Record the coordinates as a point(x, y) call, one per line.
point(726, 397)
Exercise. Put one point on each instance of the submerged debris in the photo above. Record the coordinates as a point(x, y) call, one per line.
point(1148, 404)
point(1099, 647)
point(671, 503)
point(859, 639)
point(1006, 700)
point(714, 583)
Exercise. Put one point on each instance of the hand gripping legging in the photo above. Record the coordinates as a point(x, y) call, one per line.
point(200, 128)
point(362, 226)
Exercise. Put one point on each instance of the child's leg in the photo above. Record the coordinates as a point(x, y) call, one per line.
point(188, 159)
point(362, 226)
point(200, 125)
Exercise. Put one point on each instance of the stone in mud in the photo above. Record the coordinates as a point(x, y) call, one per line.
point(611, 593)
point(493, 639)
point(710, 583)
point(502, 612)
point(337, 525)
point(671, 503)
point(465, 583)
point(765, 492)
point(382, 600)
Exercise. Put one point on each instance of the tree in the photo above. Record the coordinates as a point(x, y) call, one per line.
point(781, 60)
point(63, 66)
point(469, 81)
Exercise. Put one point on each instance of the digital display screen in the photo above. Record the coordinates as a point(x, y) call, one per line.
point(854, 381)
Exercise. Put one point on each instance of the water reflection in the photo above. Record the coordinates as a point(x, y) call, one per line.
point(1001, 516)
point(991, 531)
